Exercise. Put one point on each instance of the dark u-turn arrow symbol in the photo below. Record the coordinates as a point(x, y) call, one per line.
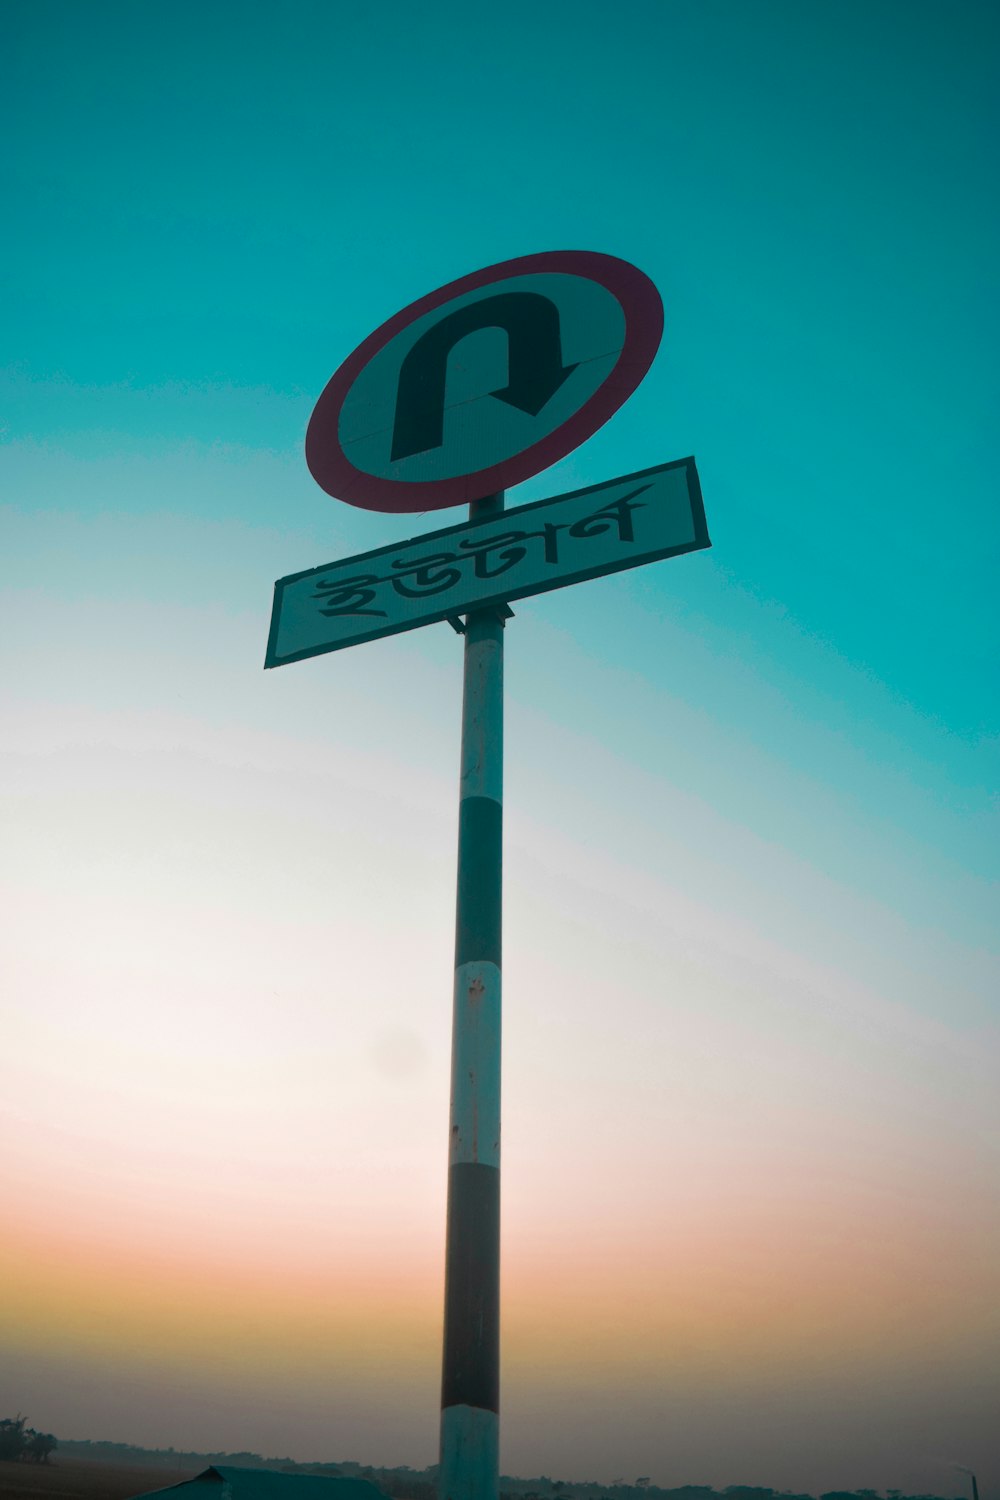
point(535, 370)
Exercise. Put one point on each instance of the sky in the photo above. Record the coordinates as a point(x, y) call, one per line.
point(750, 1205)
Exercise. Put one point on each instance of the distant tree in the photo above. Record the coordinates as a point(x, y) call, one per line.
point(643, 1483)
point(12, 1438)
point(40, 1446)
point(21, 1444)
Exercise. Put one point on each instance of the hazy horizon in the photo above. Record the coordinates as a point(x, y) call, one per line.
point(638, 1484)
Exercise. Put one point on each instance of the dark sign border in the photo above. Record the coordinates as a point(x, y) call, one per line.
point(701, 540)
point(640, 302)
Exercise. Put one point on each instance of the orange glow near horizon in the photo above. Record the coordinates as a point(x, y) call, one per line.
point(756, 1306)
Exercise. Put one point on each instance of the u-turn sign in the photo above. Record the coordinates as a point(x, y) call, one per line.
point(484, 382)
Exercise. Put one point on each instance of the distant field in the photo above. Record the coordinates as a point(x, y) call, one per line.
point(82, 1479)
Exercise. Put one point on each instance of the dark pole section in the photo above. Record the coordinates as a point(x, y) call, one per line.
point(470, 1383)
point(471, 1375)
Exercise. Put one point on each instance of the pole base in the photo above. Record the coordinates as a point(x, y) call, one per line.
point(470, 1457)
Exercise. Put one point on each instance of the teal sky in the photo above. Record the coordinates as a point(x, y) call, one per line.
point(788, 743)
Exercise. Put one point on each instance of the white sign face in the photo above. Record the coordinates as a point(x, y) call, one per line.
point(637, 519)
point(484, 382)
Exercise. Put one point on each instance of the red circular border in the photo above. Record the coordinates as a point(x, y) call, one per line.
point(640, 302)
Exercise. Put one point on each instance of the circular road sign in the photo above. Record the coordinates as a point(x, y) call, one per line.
point(481, 384)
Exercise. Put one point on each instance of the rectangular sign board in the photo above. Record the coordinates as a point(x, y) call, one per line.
point(639, 518)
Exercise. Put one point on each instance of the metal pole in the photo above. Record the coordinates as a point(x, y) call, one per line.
point(470, 1384)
